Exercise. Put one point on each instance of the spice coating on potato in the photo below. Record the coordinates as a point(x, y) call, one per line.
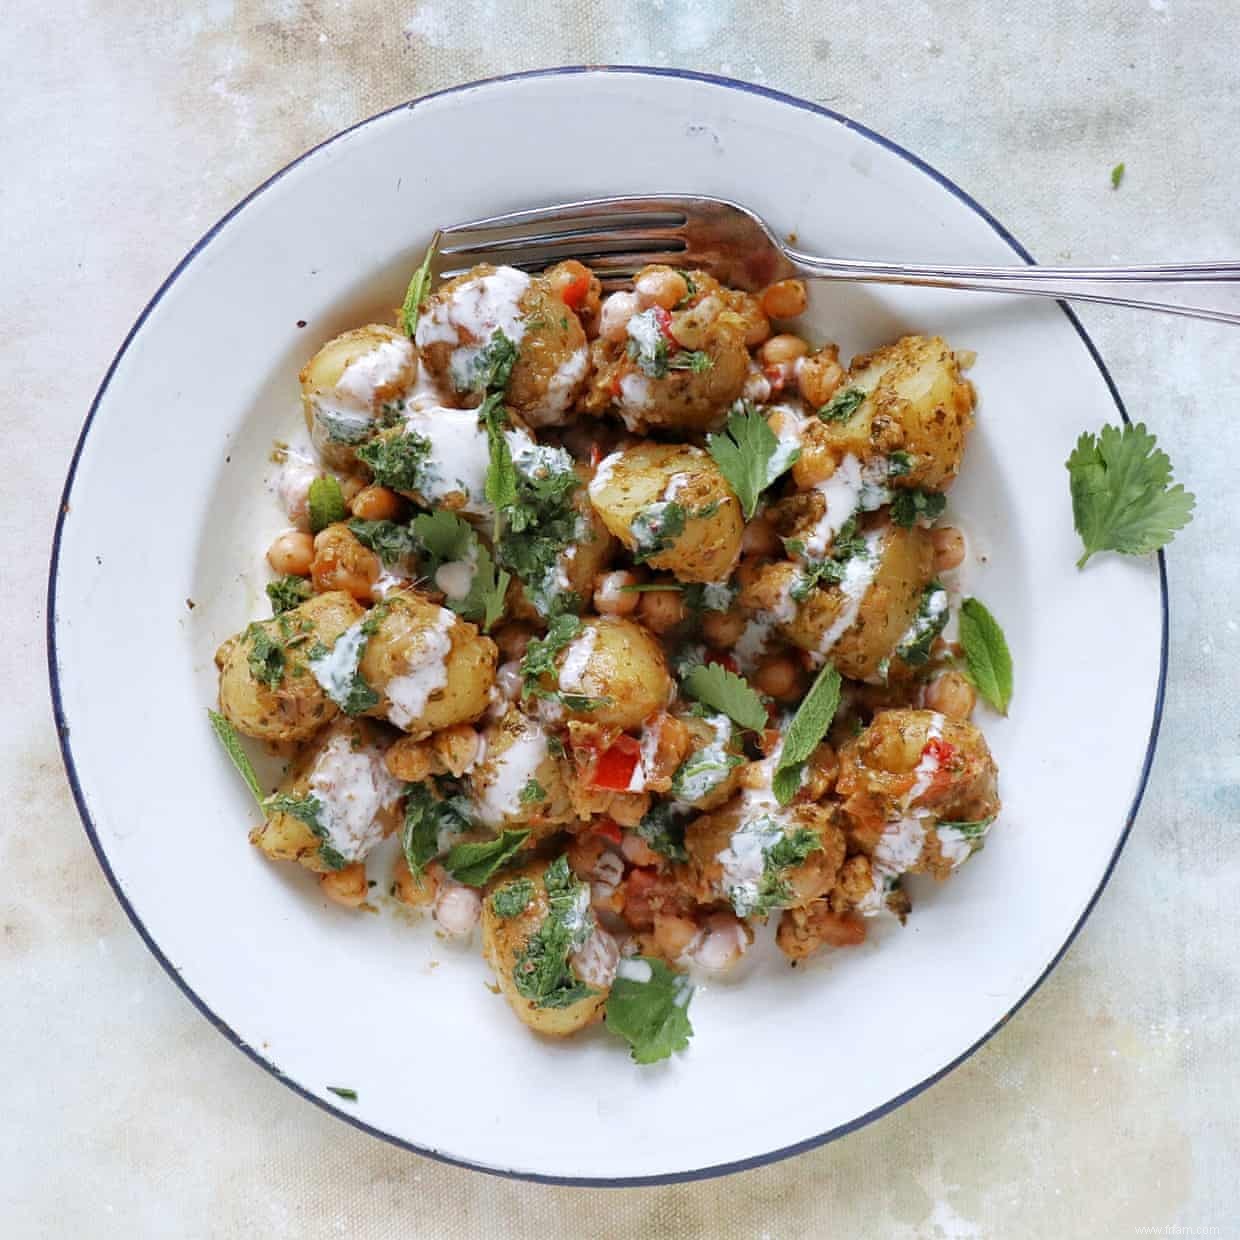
point(296, 706)
point(620, 666)
point(670, 504)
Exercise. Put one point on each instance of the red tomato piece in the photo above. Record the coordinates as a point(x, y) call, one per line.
point(616, 764)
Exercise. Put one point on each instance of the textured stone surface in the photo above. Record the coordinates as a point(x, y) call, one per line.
point(1109, 1102)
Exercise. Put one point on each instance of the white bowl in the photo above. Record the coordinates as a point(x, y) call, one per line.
point(164, 503)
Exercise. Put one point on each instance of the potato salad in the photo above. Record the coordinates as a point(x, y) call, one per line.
point(632, 620)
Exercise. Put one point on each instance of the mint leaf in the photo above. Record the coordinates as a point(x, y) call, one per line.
point(649, 1008)
point(419, 289)
point(1122, 498)
point(807, 729)
point(227, 736)
point(474, 864)
point(1117, 175)
point(714, 685)
point(326, 503)
point(512, 899)
point(988, 662)
point(426, 817)
point(909, 507)
point(349, 1095)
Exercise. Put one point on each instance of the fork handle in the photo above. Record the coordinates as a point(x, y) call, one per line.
point(1064, 283)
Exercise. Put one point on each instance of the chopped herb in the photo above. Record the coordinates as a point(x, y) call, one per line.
point(974, 830)
point(442, 538)
point(266, 656)
point(910, 506)
point(555, 747)
point(349, 1095)
point(227, 736)
point(930, 621)
point(656, 528)
point(308, 809)
point(725, 691)
point(419, 289)
point(830, 570)
point(532, 793)
point(326, 503)
point(652, 1016)
point(1117, 175)
point(397, 461)
point(899, 464)
point(1122, 497)
point(809, 725)
point(703, 771)
point(539, 658)
point(696, 360)
point(489, 368)
point(772, 890)
point(842, 406)
point(652, 587)
point(475, 864)
point(389, 540)
point(748, 456)
point(542, 972)
point(988, 662)
point(286, 593)
point(512, 899)
point(663, 828)
point(426, 818)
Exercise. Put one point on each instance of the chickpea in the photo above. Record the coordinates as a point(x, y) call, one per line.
point(820, 376)
point(661, 286)
point(610, 598)
point(757, 325)
point(376, 503)
point(347, 886)
point(292, 552)
point(410, 760)
point(673, 934)
point(785, 299)
point(415, 891)
point(456, 907)
point(618, 309)
point(785, 348)
point(951, 694)
point(342, 563)
point(661, 610)
point(778, 676)
point(723, 942)
point(351, 487)
point(455, 748)
point(723, 628)
point(512, 640)
point(949, 548)
point(760, 539)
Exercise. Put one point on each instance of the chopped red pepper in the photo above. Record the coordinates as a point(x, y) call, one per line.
point(776, 377)
point(596, 455)
point(940, 750)
point(615, 383)
point(575, 293)
point(616, 764)
point(724, 660)
point(608, 830)
point(664, 319)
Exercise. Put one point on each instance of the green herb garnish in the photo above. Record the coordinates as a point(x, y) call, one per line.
point(910, 506)
point(397, 461)
point(714, 685)
point(286, 593)
point(988, 662)
point(325, 503)
point(227, 736)
point(748, 456)
point(651, 1015)
point(349, 1095)
point(475, 863)
point(419, 289)
point(842, 406)
point(809, 725)
point(542, 972)
point(512, 899)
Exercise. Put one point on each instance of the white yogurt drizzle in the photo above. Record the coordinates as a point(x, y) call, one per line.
point(576, 660)
point(858, 577)
point(506, 773)
point(352, 787)
point(928, 765)
point(851, 488)
point(345, 412)
point(744, 860)
point(458, 458)
point(337, 669)
point(561, 390)
point(426, 670)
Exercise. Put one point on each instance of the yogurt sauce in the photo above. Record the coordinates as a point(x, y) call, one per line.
point(353, 787)
point(426, 670)
point(344, 413)
point(337, 669)
point(505, 774)
point(858, 577)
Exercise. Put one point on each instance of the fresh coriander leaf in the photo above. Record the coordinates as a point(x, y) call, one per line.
point(1122, 498)
point(842, 405)
point(227, 736)
point(542, 972)
point(656, 528)
point(725, 691)
point(512, 899)
point(326, 503)
point(396, 461)
point(649, 1008)
point(910, 506)
point(1117, 175)
point(474, 864)
point(442, 537)
point(349, 1095)
point(746, 453)
point(419, 289)
point(286, 593)
point(389, 540)
point(663, 828)
point(266, 656)
point(988, 662)
point(695, 360)
point(787, 852)
point(532, 793)
point(487, 592)
point(809, 725)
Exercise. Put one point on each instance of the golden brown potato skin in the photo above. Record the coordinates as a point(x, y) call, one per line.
point(297, 707)
point(706, 837)
point(323, 371)
point(906, 564)
point(643, 475)
point(553, 357)
point(682, 399)
point(284, 837)
point(503, 940)
point(405, 636)
point(543, 817)
point(877, 770)
point(917, 402)
point(625, 665)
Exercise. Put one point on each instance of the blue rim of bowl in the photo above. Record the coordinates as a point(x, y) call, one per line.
point(62, 726)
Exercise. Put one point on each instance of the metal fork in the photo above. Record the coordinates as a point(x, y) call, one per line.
point(617, 236)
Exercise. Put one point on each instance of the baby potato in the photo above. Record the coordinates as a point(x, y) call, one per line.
point(505, 940)
point(730, 856)
point(917, 760)
point(672, 507)
point(619, 661)
point(916, 401)
point(673, 369)
point(358, 801)
point(520, 782)
point(295, 706)
point(859, 622)
point(341, 562)
point(431, 668)
point(710, 772)
point(347, 383)
point(455, 340)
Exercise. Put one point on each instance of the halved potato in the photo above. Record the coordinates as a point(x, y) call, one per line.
point(672, 507)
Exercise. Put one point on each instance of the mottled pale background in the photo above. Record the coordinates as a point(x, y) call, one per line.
point(1110, 1102)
